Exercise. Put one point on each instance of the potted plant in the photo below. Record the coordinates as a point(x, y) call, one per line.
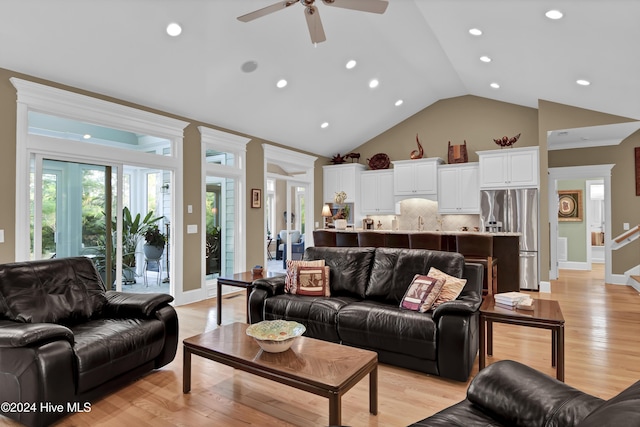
point(154, 243)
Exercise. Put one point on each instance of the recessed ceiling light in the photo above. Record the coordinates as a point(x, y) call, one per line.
point(249, 66)
point(281, 83)
point(583, 82)
point(350, 64)
point(475, 32)
point(324, 125)
point(485, 59)
point(174, 29)
point(495, 85)
point(374, 83)
point(86, 136)
point(399, 102)
point(554, 14)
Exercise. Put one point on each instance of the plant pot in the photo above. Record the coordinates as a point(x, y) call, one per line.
point(340, 224)
point(152, 252)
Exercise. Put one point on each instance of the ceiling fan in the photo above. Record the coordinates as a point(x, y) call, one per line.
point(311, 12)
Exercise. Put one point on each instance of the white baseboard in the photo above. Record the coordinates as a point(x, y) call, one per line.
point(573, 265)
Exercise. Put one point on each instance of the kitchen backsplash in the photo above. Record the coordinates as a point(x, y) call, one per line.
point(412, 209)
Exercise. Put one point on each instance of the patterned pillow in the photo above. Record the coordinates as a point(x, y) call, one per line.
point(422, 293)
point(292, 272)
point(313, 281)
point(451, 289)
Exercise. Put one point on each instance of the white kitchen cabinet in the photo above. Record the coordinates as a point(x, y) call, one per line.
point(345, 177)
point(416, 177)
point(376, 192)
point(458, 189)
point(509, 168)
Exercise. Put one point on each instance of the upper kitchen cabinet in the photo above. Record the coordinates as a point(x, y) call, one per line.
point(458, 189)
point(509, 168)
point(345, 177)
point(376, 192)
point(416, 178)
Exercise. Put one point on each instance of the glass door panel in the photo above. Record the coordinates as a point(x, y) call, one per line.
point(221, 221)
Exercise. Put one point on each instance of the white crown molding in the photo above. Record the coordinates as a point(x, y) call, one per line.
point(60, 102)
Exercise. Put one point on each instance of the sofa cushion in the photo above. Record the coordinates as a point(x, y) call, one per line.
point(422, 293)
point(62, 290)
point(349, 268)
point(376, 325)
point(291, 278)
point(451, 289)
point(317, 314)
point(621, 410)
point(313, 281)
point(106, 348)
point(394, 268)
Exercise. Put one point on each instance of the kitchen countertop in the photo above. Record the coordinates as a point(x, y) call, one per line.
point(442, 232)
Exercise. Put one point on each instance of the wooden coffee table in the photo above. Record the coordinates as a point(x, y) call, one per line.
point(312, 365)
point(546, 314)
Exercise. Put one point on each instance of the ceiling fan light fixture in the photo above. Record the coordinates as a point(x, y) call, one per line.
point(174, 29)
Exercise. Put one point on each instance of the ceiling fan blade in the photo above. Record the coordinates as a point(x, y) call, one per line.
point(373, 6)
point(316, 31)
point(267, 10)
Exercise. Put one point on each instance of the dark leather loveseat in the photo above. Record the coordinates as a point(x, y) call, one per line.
point(367, 285)
point(65, 340)
point(508, 393)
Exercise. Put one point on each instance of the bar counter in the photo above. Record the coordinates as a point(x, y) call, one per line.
point(506, 248)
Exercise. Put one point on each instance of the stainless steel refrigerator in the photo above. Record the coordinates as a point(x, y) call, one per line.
point(516, 211)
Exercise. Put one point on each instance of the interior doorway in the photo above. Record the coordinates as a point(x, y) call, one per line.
point(600, 173)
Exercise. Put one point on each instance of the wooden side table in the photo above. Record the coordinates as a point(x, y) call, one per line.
point(546, 315)
point(240, 280)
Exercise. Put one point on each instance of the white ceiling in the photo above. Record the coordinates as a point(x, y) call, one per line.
point(420, 50)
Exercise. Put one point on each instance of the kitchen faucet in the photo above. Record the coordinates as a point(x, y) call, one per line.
point(420, 223)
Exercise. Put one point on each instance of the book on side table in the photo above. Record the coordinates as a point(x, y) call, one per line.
point(513, 300)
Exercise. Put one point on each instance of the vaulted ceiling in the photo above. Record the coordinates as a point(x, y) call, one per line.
point(420, 51)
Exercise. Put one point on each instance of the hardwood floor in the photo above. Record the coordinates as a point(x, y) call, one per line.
point(602, 358)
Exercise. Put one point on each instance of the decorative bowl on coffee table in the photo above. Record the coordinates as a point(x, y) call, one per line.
point(275, 336)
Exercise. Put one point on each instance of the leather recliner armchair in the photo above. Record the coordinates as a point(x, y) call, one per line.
point(508, 393)
point(65, 340)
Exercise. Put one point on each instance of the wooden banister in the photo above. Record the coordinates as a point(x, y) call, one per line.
point(621, 238)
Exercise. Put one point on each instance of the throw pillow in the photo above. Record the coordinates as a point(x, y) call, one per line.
point(422, 293)
point(313, 281)
point(291, 279)
point(451, 289)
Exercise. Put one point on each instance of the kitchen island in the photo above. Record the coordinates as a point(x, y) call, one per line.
point(506, 248)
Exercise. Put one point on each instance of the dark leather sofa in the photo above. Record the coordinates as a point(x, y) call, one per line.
point(367, 285)
point(508, 393)
point(65, 340)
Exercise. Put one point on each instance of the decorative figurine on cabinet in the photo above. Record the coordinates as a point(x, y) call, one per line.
point(417, 154)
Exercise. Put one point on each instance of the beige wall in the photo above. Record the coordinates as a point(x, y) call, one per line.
point(476, 120)
point(255, 240)
point(625, 205)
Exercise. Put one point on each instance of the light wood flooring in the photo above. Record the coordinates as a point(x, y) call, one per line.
point(602, 358)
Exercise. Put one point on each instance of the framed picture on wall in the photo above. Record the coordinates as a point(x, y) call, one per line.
point(570, 205)
point(256, 198)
